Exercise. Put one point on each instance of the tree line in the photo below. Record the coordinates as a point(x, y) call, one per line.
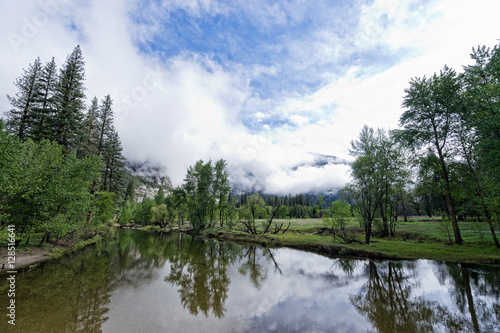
point(444, 159)
point(207, 199)
point(61, 162)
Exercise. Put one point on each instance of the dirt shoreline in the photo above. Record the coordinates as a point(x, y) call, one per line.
point(24, 260)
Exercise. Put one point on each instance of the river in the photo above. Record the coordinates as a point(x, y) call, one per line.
point(150, 282)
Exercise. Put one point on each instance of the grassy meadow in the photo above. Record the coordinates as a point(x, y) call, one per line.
point(419, 238)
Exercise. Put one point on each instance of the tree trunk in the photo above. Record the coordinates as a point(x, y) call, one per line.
point(89, 215)
point(368, 232)
point(385, 225)
point(449, 199)
point(44, 237)
point(480, 194)
point(405, 215)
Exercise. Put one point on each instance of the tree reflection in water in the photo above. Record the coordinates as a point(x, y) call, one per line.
point(476, 294)
point(199, 269)
point(73, 293)
point(386, 299)
point(250, 265)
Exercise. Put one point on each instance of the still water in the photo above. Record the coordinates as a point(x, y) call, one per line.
point(151, 282)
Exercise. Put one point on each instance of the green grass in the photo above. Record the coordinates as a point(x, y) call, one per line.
point(419, 238)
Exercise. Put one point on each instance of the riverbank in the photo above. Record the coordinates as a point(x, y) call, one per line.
point(419, 238)
point(27, 256)
point(378, 249)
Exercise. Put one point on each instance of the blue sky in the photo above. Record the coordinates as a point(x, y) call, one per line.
point(266, 85)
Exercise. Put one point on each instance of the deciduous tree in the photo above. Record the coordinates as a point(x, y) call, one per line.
point(432, 106)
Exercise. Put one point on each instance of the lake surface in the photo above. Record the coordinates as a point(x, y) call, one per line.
point(151, 282)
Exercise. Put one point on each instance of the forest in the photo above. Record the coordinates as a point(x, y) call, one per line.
point(61, 163)
point(63, 174)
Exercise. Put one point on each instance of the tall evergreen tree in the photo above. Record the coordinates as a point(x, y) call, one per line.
point(69, 98)
point(130, 191)
point(114, 172)
point(105, 119)
point(18, 118)
point(90, 135)
point(103, 141)
point(45, 107)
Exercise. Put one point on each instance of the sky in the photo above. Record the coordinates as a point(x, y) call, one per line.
point(278, 89)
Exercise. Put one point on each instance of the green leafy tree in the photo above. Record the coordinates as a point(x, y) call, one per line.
point(160, 215)
point(10, 177)
point(126, 213)
point(377, 172)
point(105, 121)
point(143, 213)
point(221, 188)
point(283, 212)
point(340, 212)
point(479, 133)
point(255, 204)
point(103, 205)
point(362, 193)
point(45, 188)
point(432, 106)
point(160, 196)
point(196, 193)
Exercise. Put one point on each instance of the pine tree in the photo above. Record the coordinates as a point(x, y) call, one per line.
point(105, 122)
point(69, 99)
point(90, 135)
point(130, 191)
point(101, 120)
point(45, 107)
point(18, 118)
point(114, 172)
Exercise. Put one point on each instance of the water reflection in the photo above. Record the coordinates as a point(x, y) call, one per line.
point(152, 282)
point(475, 294)
point(387, 299)
point(250, 265)
point(68, 295)
point(199, 269)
